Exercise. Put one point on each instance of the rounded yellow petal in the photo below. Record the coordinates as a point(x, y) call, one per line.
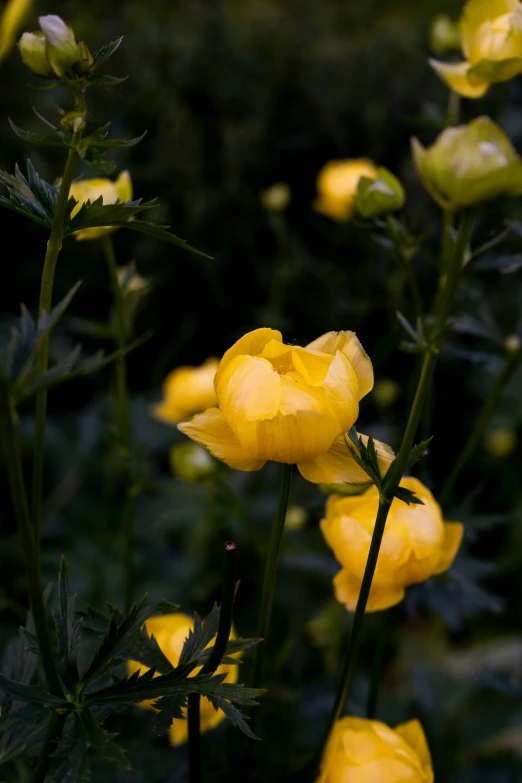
point(211, 430)
point(413, 733)
point(482, 22)
point(248, 388)
point(456, 77)
point(337, 184)
point(251, 344)
point(124, 187)
point(338, 466)
point(453, 535)
point(187, 390)
point(347, 342)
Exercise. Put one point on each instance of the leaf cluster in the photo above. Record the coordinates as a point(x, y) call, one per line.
point(96, 690)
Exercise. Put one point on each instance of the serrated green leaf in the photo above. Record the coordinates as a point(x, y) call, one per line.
point(417, 453)
point(35, 138)
point(159, 232)
point(95, 214)
point(234, 715)
point(106, 51)
point(90, 141)
point(104, 80)
point(407, 496)
point(31, 694)
point(200, 636)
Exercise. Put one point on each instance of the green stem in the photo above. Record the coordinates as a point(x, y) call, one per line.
point(477, 433)
point(53, 734)
point(267, 595)
point(214, 659)
point(453, 112)
point(398, 468)
point(11, 443)
point(377, 664)
point(124, 422)
point(54, 246)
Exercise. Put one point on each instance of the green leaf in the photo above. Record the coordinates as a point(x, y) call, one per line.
point(32, 197)
point(407, 496)
point(104, 80)
point(106, 51)
point(35, 138)
point(91, 141)
point(159, 232)
point(101, 742)
point(234, 715)
point(417, 453)
point(67, 628)
point(31, 694)
point(199, 637)
point(95, 214)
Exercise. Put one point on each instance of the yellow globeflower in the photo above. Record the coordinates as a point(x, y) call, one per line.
point(416, 544)
point(288, 404)
point(367, 751)
point(170, 632)
point(187, 390)
point(91, 189)
point(492, 45)
point(11, 20)
point(337, 185)
point(469, 164)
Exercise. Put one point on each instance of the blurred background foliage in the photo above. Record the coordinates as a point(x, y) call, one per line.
point(235, 96)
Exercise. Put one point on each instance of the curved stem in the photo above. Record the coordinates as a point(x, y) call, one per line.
point(398, 467)
point(488, 409)
point(11, 444)
point(267, 595)
point(54, 246)
point(53, 734)
point(124, 422)
point(214, 659)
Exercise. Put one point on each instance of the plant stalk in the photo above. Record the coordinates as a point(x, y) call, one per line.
point(267, 595)
point(398, 468)
point(54, 246)
point(54, 732)
point(214, 659)
point(489, 407)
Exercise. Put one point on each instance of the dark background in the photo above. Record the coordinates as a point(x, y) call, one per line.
point(236, 96)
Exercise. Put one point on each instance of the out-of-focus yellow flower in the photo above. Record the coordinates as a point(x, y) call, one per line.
point(187, 390)
point(277, 197)
point(296, 518)
point(501, 442)
point(367, 751)
point(469, 164)
point(289, 404)
point(386, 391)
point(445, 34)
point(512, 342)
point(337, 185)
point(381, 195)
point(492, 45)
point(170, 632)
point(416, 544)
point(91, 189)
point(191, 462)
point(11, 21)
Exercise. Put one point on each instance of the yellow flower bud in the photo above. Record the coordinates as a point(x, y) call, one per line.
point(501, 442)
point(73, 121)
point(445, 34)
point(170, 632)
point(85, 58)
point(62, 49)
point(84, 190)
point(337, 185)
point(417, 544)
point(288, 404)
point(11, 20)
point(492, 45)
point(191, 462)
point(380, 195)
point(367, 751)
point(187, 390)
point(469, 164)
point(33, 51)
point(276, 198)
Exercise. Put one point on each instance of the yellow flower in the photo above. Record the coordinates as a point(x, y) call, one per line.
point(501, 442)
point(11, 20)
point(337, 184)
point(170, 632)
point(288, 404)
point(277, 197)
point(469, 164)
point(187, 390)
point(90, 189)
point(367, 751)
point(445, 34)
point(416, 544)
point(492, 44)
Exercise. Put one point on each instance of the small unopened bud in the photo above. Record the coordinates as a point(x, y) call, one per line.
point(445, 35)
point(62, 49)
point(85, 58)
point(33, 51)
point(276, 198)
point(73, 121)
point(512, 343)
point(379, 196)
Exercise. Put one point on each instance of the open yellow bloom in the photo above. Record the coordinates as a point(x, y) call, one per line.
point(11, 20)
point(337, 185)
point(416, 544)
point(288, 404)
point(367, 751)
point(170, 632)
point(492, 44)
point(187, 390)
point(90, 189)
